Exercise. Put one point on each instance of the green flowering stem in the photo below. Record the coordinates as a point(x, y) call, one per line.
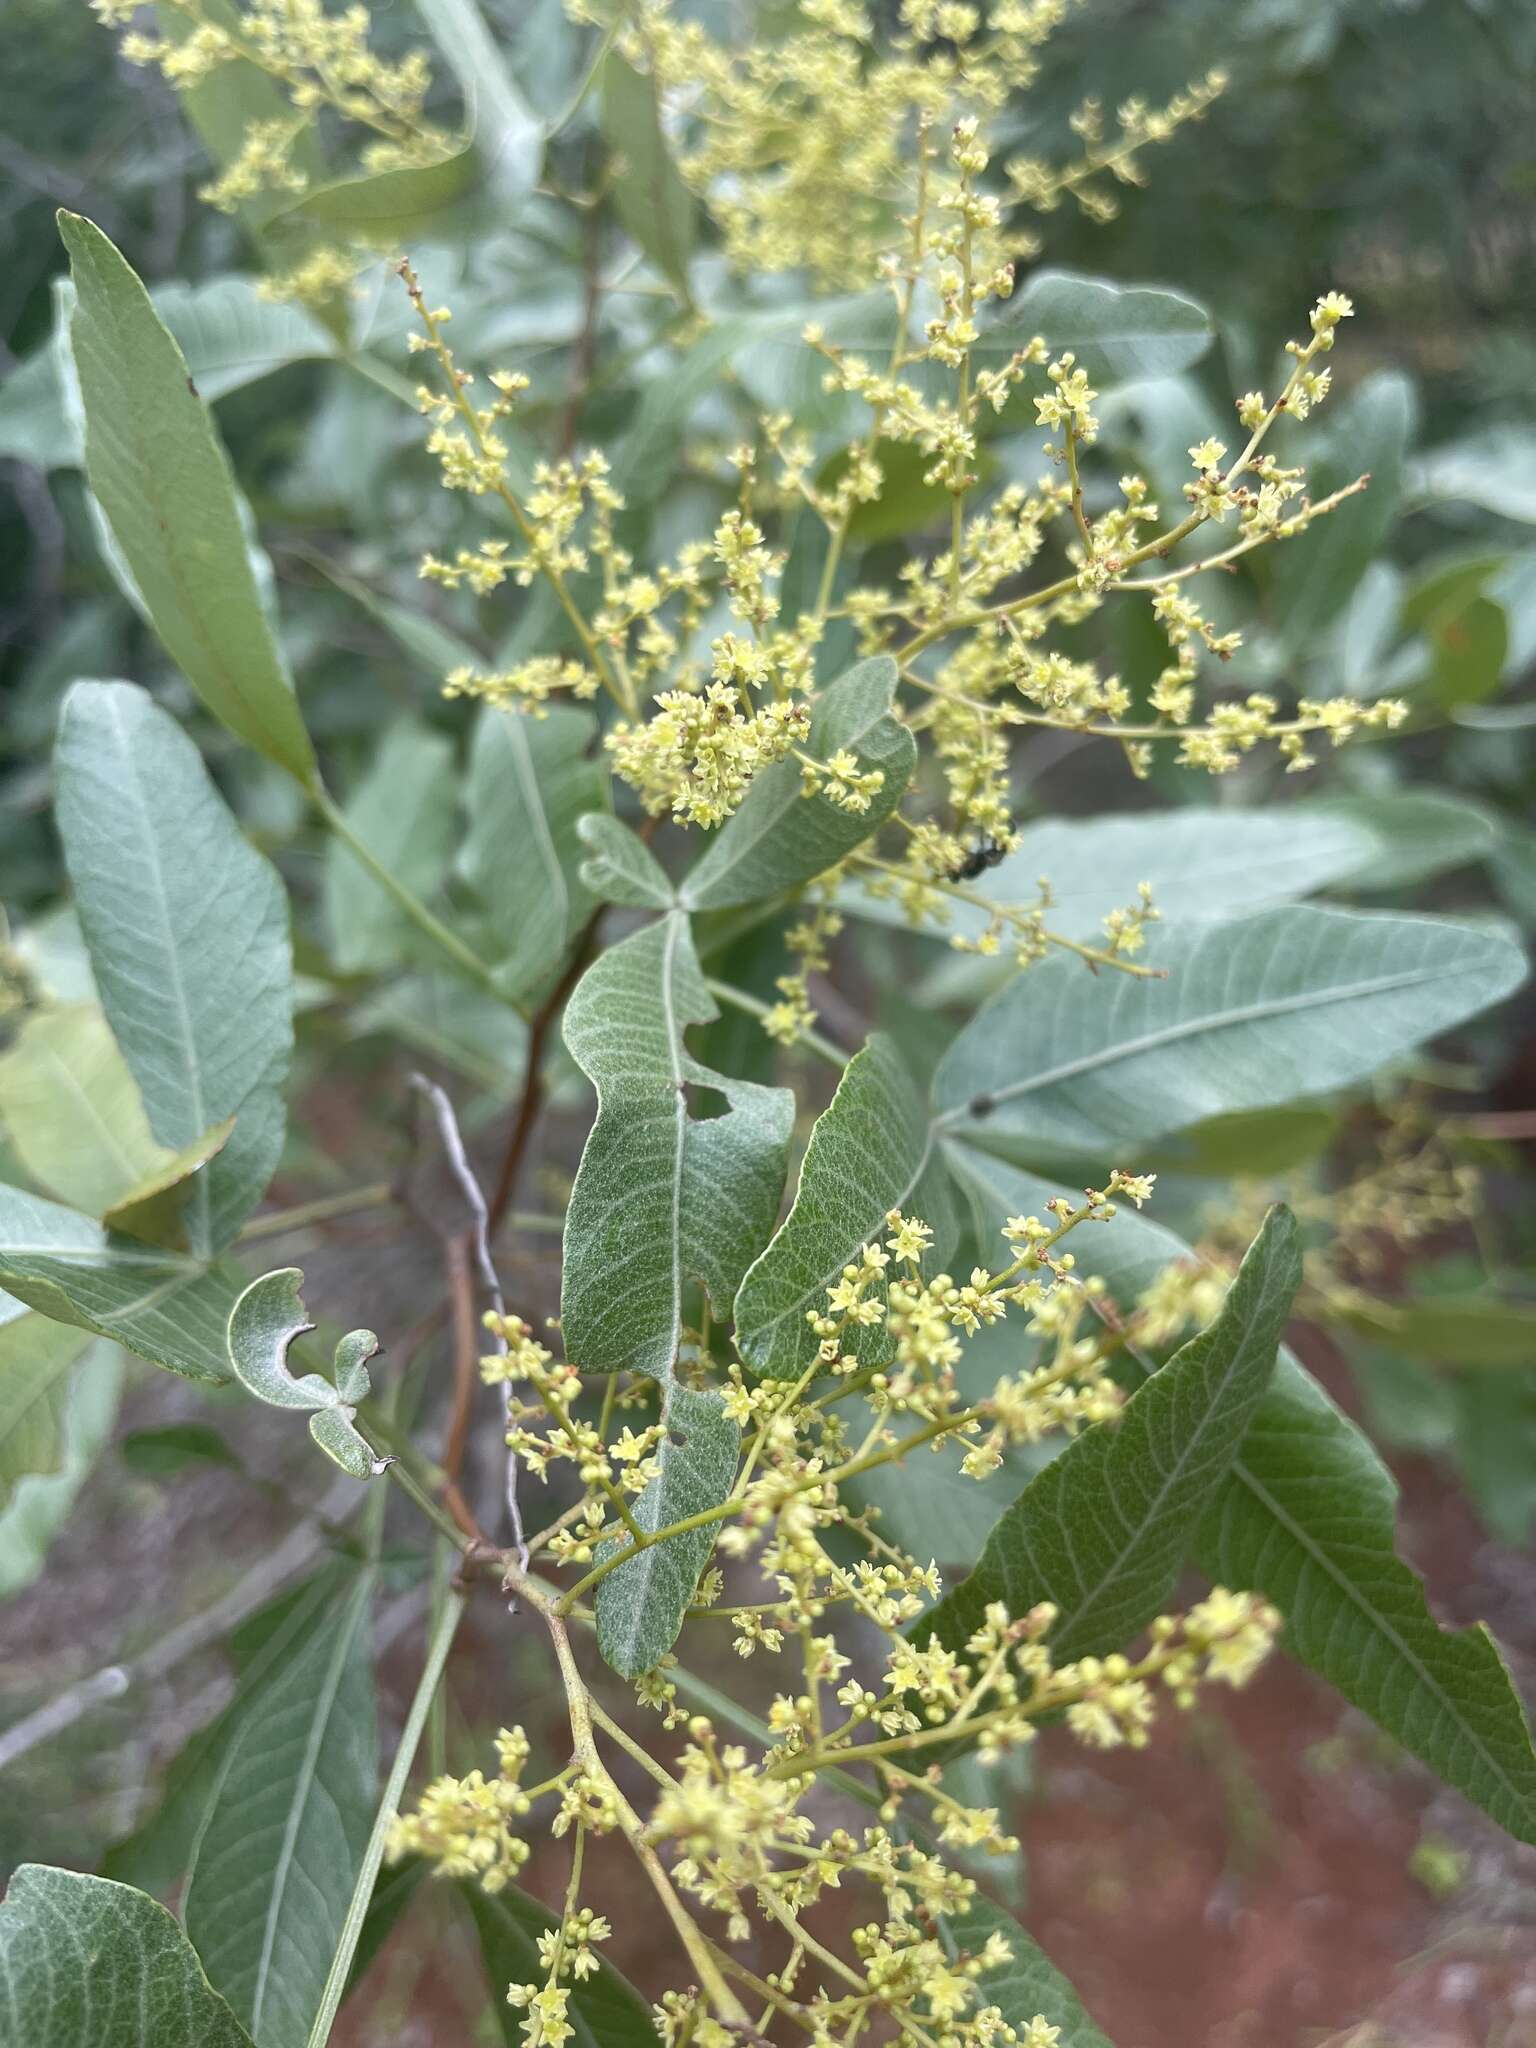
point(579, 1705)
point(1095, 956)
point(448, 1619)
point(813, 1041)
point(463, 957)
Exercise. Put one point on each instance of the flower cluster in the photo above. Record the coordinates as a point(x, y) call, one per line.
point(323, 65)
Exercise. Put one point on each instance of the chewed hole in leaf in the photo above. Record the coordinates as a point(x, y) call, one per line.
point(705, 1103)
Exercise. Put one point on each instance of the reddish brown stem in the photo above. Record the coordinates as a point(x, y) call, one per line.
point(531, 1100)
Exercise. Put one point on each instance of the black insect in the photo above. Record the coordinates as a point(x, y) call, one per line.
point(986, 853)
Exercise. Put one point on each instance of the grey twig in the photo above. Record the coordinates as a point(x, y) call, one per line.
point(469, 1187)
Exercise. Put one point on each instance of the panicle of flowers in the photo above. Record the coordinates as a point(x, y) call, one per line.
point(322, 63)
point(463, 1826)
point(1109, 157)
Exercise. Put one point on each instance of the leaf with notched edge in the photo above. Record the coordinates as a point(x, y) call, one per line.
point(663, 1196)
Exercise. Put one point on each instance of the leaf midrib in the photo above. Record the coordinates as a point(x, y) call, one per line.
point(198, 1195)
point(1379, 1624)
point(1190, 1027)
point(324, 1706)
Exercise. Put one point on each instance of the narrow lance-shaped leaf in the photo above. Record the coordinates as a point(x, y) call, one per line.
point(403, 811)
point(1102, 1532)
point(262, 1324)
point(169, 1308)
point(85, 1960)
point(1256, 1010)
point(640, 1604)
point(287, 1820)
point(530, 784)
point(187, 926)
point(37, 1358)
point(652, 200)
point(662, 1197)
point(1306, 1518)
point(779, 837)
point(605, 2010)
point(161, 477)
point(866, 1157)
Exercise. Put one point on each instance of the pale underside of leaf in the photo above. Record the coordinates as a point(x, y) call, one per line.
point(661, 1198)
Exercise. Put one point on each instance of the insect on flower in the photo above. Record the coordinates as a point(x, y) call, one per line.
point(986, 853)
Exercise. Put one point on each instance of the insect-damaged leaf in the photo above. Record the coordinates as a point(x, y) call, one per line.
point(663, 1196)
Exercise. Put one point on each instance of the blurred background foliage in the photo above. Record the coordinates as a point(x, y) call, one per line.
point(1381, 147)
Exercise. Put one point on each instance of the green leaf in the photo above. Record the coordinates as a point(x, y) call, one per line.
point(1464, 1330)
point(287, 1819)
point(530, 784)
point(403, 810)
point(262, 1325)
point(1496, 1447)
point(229, 98)
point(1416, 833)
point(156, 466)
point(866, 1157)
point(43, 1502)
point(1315, 574)
point(653, 202)
point(779, 838)
point(1306, 1518)
point(661, 1196)
point(169, 1308)
point(72, 1109)
point(389, 207)
point(1025, 1988)
point(605, 2010)
point(1258, 1010)
point(187, 927)
point(1157, 1468)
point(229, 336)
point(164, 1453)
point(506, 131)
point(623, 868)
point(1118, 333)
point(640, 1604)
point(83, 1960)
point(37, 1358)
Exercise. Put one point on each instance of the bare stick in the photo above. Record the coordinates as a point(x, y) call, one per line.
point(480, 1240)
